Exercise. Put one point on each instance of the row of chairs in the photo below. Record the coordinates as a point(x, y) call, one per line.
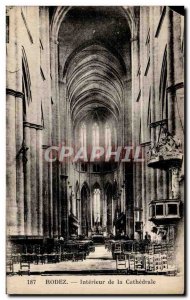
point(146, 263)
point(138, 247)
point(25, 255)
point(132, 257)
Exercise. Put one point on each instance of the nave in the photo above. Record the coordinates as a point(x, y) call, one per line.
point(89, 258)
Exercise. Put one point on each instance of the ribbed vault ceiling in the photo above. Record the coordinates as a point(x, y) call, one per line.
point(94, 80)
point(92, 42)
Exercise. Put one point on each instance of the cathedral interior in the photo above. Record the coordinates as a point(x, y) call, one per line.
point(103, 78)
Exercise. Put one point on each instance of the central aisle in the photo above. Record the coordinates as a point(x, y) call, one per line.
point(98, 262)
point(100, 253)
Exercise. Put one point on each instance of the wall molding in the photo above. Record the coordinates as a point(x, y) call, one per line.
point(175, 87)
point(145, 144)
point(32, 125)
point(46, 146)
point(14, 93)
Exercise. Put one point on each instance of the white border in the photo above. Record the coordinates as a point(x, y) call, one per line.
point(3, 117)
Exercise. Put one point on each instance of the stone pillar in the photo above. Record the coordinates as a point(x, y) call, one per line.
point(55, 170)
point(74, 205)
point(148, 192)
point(91, 208)
point(45, 194)
point(19, 164)
point(175, 183)
point(110, 212)
point(39, 162)
point(153, 99)
point(160, 183)
point(34, 200)
point(101, 206)
point(170, 73)
point(27, 183)
point(89, 214)
point(165, 184)
point(64, 210)
point(79, 215)
point(105, 212)
point(11, 166)
point(143, 190)
point(50, 199)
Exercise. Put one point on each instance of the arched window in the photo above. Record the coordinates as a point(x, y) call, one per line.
point(96, 205)
point(95, 135)
point(107, 135)
point(83, 135)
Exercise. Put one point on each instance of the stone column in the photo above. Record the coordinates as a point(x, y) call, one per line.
point(105, 211)
point(45, 194)
point(27, 183)
point(34, 200)
point(64, 202)
point(79, 215)
point(50, 199)
point(175, 183)
point(19, 164)
point(153, 98)
point(55, 170)
point(11, 166)
point(89, 213)
point(91, 207)
point(147, 193)
point(143, 187)
point(170, 73)
point(39, 161)
point(101, 206)
point(110, 212)
point(74, 204)
point(165, 184)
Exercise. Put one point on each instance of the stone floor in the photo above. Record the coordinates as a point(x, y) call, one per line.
point(99, 262)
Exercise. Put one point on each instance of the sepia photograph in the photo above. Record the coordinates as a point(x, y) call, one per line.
point(95, 148)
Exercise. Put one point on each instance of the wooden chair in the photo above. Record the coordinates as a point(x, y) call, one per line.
point(24, 264)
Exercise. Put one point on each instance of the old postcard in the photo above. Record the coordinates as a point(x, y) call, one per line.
point(95, 150)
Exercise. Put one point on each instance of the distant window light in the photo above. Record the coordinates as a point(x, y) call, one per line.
point(83, 135)
point(107, 135)
point(97, 205)
point(95, 135)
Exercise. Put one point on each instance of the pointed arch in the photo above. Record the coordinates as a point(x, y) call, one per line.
point(85, 185)
point(61, 12)
point(96, 186)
